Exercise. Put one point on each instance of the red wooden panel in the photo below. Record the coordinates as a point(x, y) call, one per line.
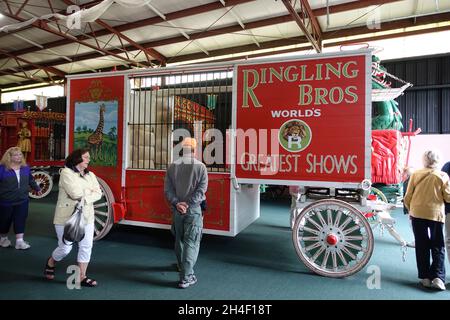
point(102, 88)
point(146, 201)
point(11, 120)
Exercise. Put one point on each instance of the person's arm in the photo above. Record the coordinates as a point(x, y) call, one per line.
point(409, 193)
point(169, 189)
point(32, 183)
point(199, 192)
point(68, 182)
point(94, 193)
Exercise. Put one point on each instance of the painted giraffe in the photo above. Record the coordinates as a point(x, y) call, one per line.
point(95, 140)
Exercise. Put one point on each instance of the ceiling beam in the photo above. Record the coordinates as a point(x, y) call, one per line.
point(194, 11)
point(299, 40)
point(82, 6)
point(28, 77)
point(353, 5)
point(274, 44)
point(198, 10)
point(21, 7)
point(147, 51)
point(307, 22)
point(44, 26)
point(265, 45)
point(404, 23)
point(389, 25)
point(35, 65)
point(141, 23)
point(199, 35)
point(29, 82)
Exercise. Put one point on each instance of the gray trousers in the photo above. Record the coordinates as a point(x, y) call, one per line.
point(187, 229)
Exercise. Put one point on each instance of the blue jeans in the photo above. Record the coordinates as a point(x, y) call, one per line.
point(187, 229)
point(16, 213)
point(429, 245)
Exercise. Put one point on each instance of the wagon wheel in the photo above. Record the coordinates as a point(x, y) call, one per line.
point(332, 238)
point(104, 218)
point(44, 181)
point(380, 195)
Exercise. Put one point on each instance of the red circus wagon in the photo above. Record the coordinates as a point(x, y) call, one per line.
point(299, 121)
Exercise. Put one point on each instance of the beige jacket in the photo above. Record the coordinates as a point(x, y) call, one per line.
point(426, 201)
point(71, 188)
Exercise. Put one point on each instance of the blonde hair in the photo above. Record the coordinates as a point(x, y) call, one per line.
point(431, 159)
point(6, 159)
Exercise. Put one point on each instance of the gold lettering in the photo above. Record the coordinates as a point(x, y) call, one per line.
point(303, 74)
point(336, 71)
point(321, 93)
point(248, 90)
point(278, 75)
point(290, 77)
point(354, 72)
point(319, 71)
point(305, 92)
point(263, 75)
point(340, 96)
point(351, 94)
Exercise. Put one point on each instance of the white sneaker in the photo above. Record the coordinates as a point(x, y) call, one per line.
point(438, 284)
point(426, 283)
point(22, 245)
point(186, 283)
point(5, 243)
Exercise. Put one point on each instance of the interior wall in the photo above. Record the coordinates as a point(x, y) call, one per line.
point(424, 142)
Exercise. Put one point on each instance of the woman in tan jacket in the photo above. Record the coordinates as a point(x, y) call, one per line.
point(428, 188)
point(75, 182)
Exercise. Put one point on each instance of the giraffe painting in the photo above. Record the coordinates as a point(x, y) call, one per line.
point(95, 140)
point(95, 127)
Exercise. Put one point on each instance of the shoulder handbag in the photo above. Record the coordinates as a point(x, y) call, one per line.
point(74, 227)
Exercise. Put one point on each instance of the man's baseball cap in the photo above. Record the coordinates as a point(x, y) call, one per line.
point(189, 142)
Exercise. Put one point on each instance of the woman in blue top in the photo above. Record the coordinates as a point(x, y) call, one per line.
point(15, 180)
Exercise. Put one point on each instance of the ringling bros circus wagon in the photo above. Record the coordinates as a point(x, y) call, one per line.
point(41, 137)
point(303, 122)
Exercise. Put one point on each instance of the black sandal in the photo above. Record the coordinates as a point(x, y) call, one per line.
point(49, 272)
point(88, 282)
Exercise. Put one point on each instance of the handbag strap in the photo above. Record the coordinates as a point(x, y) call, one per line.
point(423, 178)
point(80, 203)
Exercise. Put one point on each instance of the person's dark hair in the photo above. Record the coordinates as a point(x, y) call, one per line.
point(75, 157)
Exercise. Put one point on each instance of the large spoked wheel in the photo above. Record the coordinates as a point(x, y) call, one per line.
point(44, 181)
point(333, 238)
point(103, 209)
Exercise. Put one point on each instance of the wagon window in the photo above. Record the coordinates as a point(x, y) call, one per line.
point(199, 102)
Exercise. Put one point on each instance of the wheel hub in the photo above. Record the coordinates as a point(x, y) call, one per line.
point(332, 239)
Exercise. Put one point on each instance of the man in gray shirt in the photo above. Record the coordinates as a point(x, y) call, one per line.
point(185, 186)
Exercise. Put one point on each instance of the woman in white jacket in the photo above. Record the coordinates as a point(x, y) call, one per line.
point(75, 182)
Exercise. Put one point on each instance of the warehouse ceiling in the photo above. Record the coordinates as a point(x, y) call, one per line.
point(41, 42)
